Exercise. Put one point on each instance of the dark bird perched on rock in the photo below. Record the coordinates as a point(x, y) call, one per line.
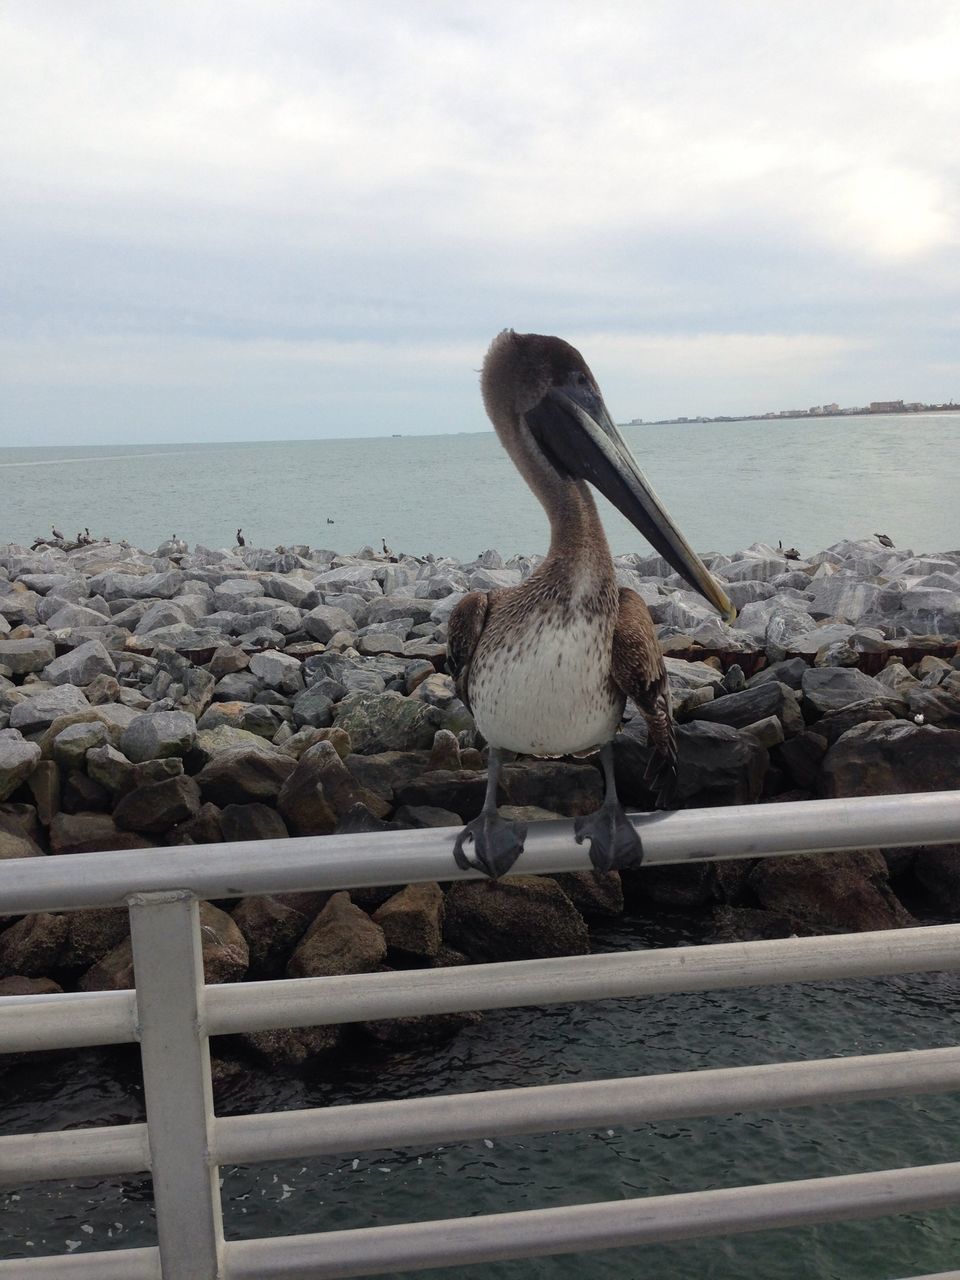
point(241, 540)
point(790, 553)
point(329, 521)
point(546, 666)
point(884, 539)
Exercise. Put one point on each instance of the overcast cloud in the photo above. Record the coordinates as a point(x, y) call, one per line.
point(288, 219)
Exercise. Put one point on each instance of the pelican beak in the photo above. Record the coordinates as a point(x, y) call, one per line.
point(573, 426)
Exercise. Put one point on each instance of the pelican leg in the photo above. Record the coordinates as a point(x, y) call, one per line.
point(497, 843)
point(614, 842)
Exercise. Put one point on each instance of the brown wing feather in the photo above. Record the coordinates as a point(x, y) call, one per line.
point(639, 671)
point(464, 629)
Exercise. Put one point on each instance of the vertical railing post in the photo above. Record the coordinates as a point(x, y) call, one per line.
point(168, 971)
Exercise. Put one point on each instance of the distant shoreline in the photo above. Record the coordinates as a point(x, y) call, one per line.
point(926, 410)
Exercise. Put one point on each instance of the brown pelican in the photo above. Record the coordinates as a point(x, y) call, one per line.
point(884, 539)
point(241, 540)
point(790, 553)
point(56, 533)
point(546, 666)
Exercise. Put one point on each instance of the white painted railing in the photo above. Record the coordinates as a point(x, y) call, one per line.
point(172, 1014)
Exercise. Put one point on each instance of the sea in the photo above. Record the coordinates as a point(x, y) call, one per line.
point(807, 482)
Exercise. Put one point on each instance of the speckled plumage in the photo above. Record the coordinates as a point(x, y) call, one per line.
point(546, 666)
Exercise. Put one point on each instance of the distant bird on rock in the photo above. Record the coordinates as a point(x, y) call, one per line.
point(241, 540)
point(884, 539)
point(789, 553)
point(329, 521)
point(386, 549)
point(56, 533)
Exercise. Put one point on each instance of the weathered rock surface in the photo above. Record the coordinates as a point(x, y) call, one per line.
point(342, 939)
point(516, 918)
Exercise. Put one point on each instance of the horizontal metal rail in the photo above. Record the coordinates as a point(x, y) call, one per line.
point(463, 1117)
point(354, 861)
point(42, 1022)
point(161, 893)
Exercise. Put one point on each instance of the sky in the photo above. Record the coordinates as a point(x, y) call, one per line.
point(240, 220)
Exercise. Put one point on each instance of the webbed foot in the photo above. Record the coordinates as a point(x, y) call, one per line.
point(497, 844)
point(614, 843)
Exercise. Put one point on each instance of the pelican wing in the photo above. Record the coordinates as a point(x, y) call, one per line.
point(463, 635)
point(638, 670)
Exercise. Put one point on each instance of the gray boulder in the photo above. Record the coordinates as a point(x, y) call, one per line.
point(23, 656)
point(18, 759)
point(81, 665)
point(40, 709)
point(158, 734)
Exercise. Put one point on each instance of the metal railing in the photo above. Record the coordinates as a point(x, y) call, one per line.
point(172, 1014)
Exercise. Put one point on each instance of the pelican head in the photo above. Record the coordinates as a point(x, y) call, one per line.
point(549, 413)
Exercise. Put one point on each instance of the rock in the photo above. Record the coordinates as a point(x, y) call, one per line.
point(81, 665)
point(836, 723)
point(41, 709)
point(89, 832)
point(937, 706)
point(891, 758)
point(388, 771)
point(573, 790)
point(157, 806)
point(424, 815)
point(71, 744)
point(445, 752)
point(770, 698)
point(833, 688)
point(227, 660)
point(314, 708)
point(205, 828)
point(305, 802)
point(252, 822)
point(342, 939)
point(789, 672)
point(751, 924)
point(18, 759)
point(271, 928)
point(245, 776)
point(31, 947)
point(430, 1028)
point(387, 722)
point(294, 1047)
point(937, 868)
point(801, 757)
point(15, 842)
point(717, 765)
point(323, 622)
point(225, 738)
point(225, 955)
point(597, 895)
point(157, 734)
point(846, 892)
point(91, 935)
point(82, 794)
point(516, 918)
point(20, 986)
point(412, 922)
point(308, 736)
point(29, 654)
point(102, 689)
point(277, 670)
point(767, 733)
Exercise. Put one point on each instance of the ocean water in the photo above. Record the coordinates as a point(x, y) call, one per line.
point(808, 482)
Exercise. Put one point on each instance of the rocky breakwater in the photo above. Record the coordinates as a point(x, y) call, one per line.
point(208, 695)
